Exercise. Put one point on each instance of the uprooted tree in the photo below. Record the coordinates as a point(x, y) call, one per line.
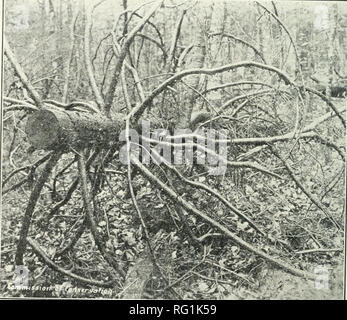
point(177, 66)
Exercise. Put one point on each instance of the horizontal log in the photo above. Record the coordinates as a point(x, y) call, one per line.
point(60, 129)
point(337, 89)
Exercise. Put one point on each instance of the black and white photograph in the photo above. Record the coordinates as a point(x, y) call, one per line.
point(173, 150)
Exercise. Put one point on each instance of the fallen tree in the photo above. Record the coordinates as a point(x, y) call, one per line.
point(60, 129)
point(92, 135)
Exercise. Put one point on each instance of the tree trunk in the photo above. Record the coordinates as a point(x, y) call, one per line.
point(59, 129)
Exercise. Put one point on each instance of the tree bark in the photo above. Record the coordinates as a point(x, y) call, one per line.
point(59, 129)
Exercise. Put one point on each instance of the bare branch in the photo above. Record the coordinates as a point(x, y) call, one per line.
point(246, 96)
point(305, 191)
point(227, 35)
point(158, 44)
point(328, 102)
point(217, 195)
point(24, 79)
point(174, 40)
point(289, 35)
point(70, 59)
point(123, 54)
point(34, 196)
point(90, 218)
point(40, 253)
point(189, 208)
point(137, 112)
point(234, 84)
point(96, 91)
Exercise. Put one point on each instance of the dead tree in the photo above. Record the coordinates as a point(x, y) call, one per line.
point(88, 132)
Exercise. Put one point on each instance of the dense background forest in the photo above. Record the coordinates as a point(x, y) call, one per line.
point(272, 75)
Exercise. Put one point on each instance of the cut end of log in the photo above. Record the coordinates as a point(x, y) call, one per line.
point(43, 129)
